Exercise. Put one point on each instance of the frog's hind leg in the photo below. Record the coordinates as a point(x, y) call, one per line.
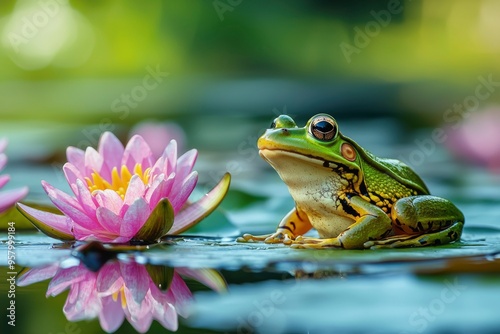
point(372, 223)
point(445, 236)
point(422, 221)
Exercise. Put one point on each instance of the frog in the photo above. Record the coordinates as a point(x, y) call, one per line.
point(352, 198)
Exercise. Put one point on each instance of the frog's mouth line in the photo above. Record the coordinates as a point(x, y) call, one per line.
point(305, 157)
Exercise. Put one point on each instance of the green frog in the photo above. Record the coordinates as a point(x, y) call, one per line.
point(352, 198)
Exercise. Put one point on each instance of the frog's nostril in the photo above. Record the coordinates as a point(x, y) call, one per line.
point(285, 131)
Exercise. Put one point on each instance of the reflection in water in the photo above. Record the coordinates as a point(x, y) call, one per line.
point(119, 290)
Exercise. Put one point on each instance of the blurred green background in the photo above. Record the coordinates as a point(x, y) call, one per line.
point(68, 67)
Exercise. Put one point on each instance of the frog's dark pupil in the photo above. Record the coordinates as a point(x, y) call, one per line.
point(273, 124)
point(323, 130)
point(324, 126)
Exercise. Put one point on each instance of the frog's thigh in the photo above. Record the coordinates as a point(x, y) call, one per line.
point(424, 214)
point(423, 220)
point(372, 223)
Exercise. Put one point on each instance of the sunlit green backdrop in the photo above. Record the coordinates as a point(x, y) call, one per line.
point(67, 63)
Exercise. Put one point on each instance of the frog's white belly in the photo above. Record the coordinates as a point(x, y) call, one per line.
point(314, 189)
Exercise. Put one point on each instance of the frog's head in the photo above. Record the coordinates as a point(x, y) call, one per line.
point(318, 143)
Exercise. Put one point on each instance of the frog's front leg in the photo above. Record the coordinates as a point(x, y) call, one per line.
point(422, 221)
point(291, 226)
point(371, 223)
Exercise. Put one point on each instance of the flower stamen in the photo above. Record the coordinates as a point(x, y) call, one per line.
point(119, 181)
point(120, 293)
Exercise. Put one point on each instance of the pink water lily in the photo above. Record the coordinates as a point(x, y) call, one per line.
point(123, 193)
point(475, 138)
point(120, 291)
point(8, 197)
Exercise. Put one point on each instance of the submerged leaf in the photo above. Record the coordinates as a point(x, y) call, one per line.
point(161, 275)
point(208, 277)
point(195, 212)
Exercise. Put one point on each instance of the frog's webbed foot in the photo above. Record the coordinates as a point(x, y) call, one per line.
point(273, 238)
point(315, 243)
point(291, 225)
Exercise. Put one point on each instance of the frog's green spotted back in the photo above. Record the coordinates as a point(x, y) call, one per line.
point(395, 168)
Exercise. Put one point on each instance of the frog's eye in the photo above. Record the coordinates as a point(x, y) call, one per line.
point(323, 128)
point(273, 125)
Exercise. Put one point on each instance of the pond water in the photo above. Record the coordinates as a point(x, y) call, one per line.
point(211, 284)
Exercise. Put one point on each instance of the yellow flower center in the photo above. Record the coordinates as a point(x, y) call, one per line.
point(119, 182)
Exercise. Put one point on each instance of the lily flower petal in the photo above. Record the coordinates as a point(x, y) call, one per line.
point(68, 205)
point(180, 292)
point(179, 198)
point(55, 226)
point(170, 157)
point(9, 197)
point(36, 275)
point(135, 190)
point(195, 212)
point(4, 179)
point(134, 218)
point(167, 316)
point(111, 150)
point(85, 199)
point(109, 220)
point(111, 317)
point(109, 199)
point(76, 157)
point(185, 165)
point(65, 278)
point(72, 174)
point(82, 302)
point(159, 189)
point(94, 162)
point(137, 151)
point(136, 278)
point(109, 280)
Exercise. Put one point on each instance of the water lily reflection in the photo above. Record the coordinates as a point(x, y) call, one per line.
point(118, 291)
